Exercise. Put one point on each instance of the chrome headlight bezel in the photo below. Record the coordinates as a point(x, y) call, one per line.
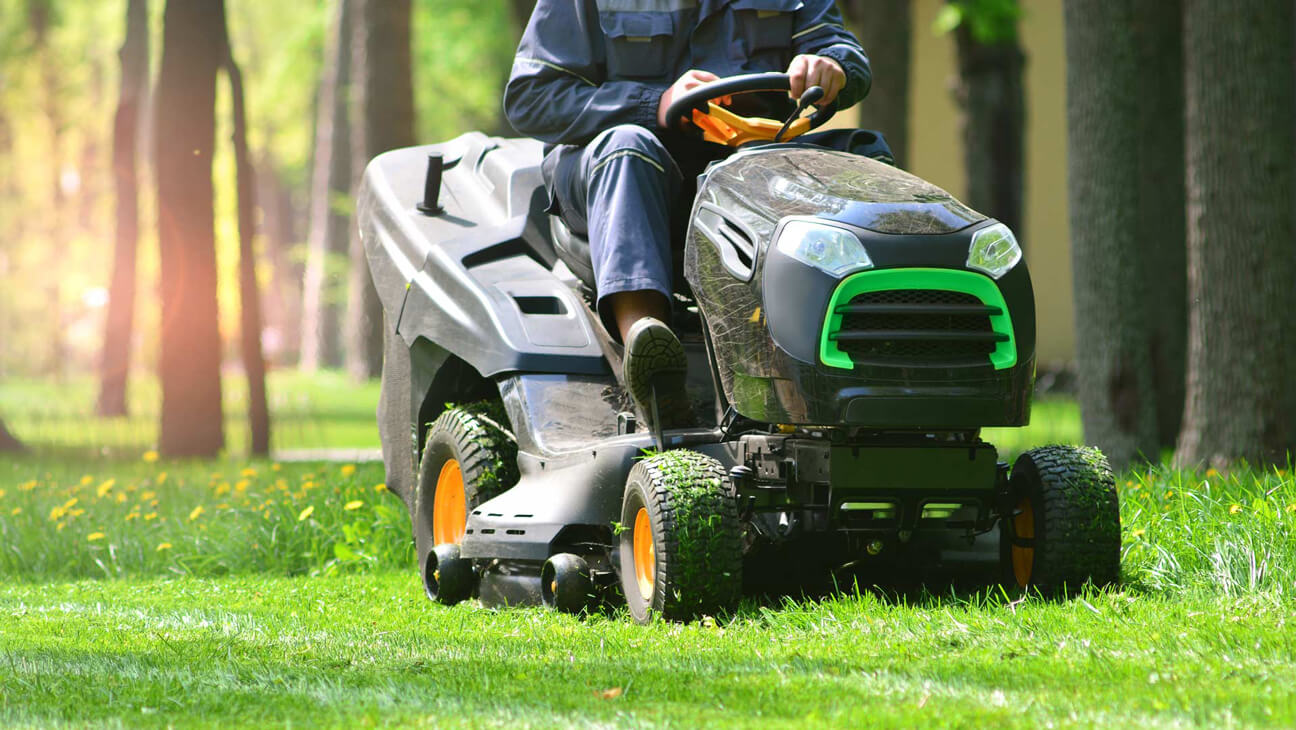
point(994, 251)
point(834, 250)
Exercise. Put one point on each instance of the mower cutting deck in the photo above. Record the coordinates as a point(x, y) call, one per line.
point(850, 329)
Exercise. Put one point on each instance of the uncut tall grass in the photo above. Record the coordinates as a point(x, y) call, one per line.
point(198, 518)
point(1183, 531)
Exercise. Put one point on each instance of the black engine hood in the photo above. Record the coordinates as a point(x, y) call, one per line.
point(762, 185)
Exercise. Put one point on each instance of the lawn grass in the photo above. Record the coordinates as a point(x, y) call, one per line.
point(370, 650)
point(318, 410)
point(283, 594)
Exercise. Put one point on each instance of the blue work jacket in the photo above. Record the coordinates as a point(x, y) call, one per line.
point(584, 66)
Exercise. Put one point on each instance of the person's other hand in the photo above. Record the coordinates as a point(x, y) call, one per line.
point(691, 79)
point(807, 70)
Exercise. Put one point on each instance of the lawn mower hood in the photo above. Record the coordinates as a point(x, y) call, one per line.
point(841, 290)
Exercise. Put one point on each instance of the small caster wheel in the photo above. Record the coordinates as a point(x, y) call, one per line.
point(449, 578)
point(565, 583)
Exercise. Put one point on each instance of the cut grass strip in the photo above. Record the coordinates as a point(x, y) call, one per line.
point(371, 651)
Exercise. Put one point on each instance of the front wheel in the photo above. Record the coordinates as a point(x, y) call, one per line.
point(680, 541)
point(1064, 528)
point(468, 460)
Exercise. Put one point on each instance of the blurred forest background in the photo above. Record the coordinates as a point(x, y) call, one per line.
point(139, 263)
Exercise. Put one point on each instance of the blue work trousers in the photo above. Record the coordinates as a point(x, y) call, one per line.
point(630, 191)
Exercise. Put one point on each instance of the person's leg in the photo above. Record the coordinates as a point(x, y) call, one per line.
point(631, 184)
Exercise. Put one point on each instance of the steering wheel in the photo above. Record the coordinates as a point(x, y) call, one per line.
point(721, 126)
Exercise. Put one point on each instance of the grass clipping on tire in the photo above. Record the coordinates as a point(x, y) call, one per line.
point(701, 554)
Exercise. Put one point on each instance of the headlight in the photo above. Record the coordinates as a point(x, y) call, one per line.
point(994, 250)
point(830, 249)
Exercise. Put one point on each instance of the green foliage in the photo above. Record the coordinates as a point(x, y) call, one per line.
point(463, 51)
point(991, 22)
point(155, 518)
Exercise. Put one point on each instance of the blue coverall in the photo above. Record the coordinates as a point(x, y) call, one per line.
point(588, 78)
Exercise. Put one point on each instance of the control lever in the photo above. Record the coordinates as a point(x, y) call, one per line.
point(808, 97)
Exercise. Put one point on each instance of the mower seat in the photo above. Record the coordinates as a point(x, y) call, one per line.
point(573, 249)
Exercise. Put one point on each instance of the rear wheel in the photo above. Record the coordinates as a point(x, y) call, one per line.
point(680, 542)
point(468, 460)
point(1064, 529)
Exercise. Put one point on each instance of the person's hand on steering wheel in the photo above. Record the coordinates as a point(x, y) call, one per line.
point(691, 79)
point(808, 70)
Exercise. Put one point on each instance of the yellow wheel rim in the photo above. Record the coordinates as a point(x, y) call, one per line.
point(1023, 558)
point(645, 559)
point(449, 507)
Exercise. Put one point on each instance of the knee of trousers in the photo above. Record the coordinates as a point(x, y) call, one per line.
point(630, 138)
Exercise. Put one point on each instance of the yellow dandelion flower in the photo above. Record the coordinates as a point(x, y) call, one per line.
point(161, 478)
point(1291, 507)
point(69, 504)
point(196, 512)
point(223, 505)
point(60, 526)
point(306, 513)
point(87, 480)
point(132, 488)
point(163, 546)
point(2, 493)
point(146, 495)
point(76, 512)
point(121, 497)
point(309, 485)
point(307, 477)
point(275, 467)
point(348, 469)
point(249, 472)
point(1235, 508)
point(380, 487)
point(222, 489)
point(353, 505)
point(132, 516)
point(56, 513)
point(1169, 493)
point(95, 536)
point(150, 517)
point(1140, 532)
point(1212, 472)
point(150, 456)
point(241, 486)
point(105, 488)
point(28, 486)
point(153, 503)
point(15, 511)
point(1129, 482)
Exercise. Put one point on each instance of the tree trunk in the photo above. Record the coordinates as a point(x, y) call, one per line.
point(884, 28)
point(249, 290)
point(522, 10)
point(283, 301)
point(189, 365)
point(1116, 388)
point(329, 237)
point(1161, 238)
point(991, 95)
point(41, 17)
point(119, 326)
point(1241, 99)
point(386, 90)
point(8, 442)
